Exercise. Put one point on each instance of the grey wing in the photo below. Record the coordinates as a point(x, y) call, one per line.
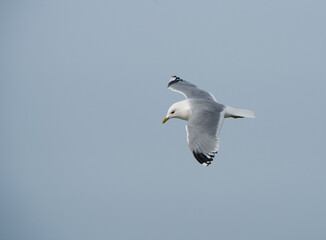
point(188, 90)
point(202, 129)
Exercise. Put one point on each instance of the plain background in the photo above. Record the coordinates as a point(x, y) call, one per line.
point(84, 154)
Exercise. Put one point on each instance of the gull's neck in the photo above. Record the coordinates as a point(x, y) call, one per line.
point(183, 110)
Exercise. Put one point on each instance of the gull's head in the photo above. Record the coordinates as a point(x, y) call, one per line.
point(178, 110)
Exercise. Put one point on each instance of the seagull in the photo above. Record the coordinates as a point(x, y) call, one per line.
point(204, 116)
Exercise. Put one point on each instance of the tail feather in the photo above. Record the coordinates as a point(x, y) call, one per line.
point(238, 113)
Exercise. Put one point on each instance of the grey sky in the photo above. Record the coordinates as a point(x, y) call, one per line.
point(83, 93)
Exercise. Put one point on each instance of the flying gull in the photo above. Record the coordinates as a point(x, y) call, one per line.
point(205, 118)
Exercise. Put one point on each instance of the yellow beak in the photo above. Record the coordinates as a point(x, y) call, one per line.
point(164, 120)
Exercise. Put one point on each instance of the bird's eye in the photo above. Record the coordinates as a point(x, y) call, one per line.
point(172, 112)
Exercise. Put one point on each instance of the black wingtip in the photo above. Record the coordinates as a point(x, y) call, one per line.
point(174, 79)
point(203, 159)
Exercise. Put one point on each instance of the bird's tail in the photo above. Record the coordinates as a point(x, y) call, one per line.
point(238, 113)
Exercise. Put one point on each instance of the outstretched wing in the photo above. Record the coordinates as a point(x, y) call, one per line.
point(188, 90)
point(203, 128)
